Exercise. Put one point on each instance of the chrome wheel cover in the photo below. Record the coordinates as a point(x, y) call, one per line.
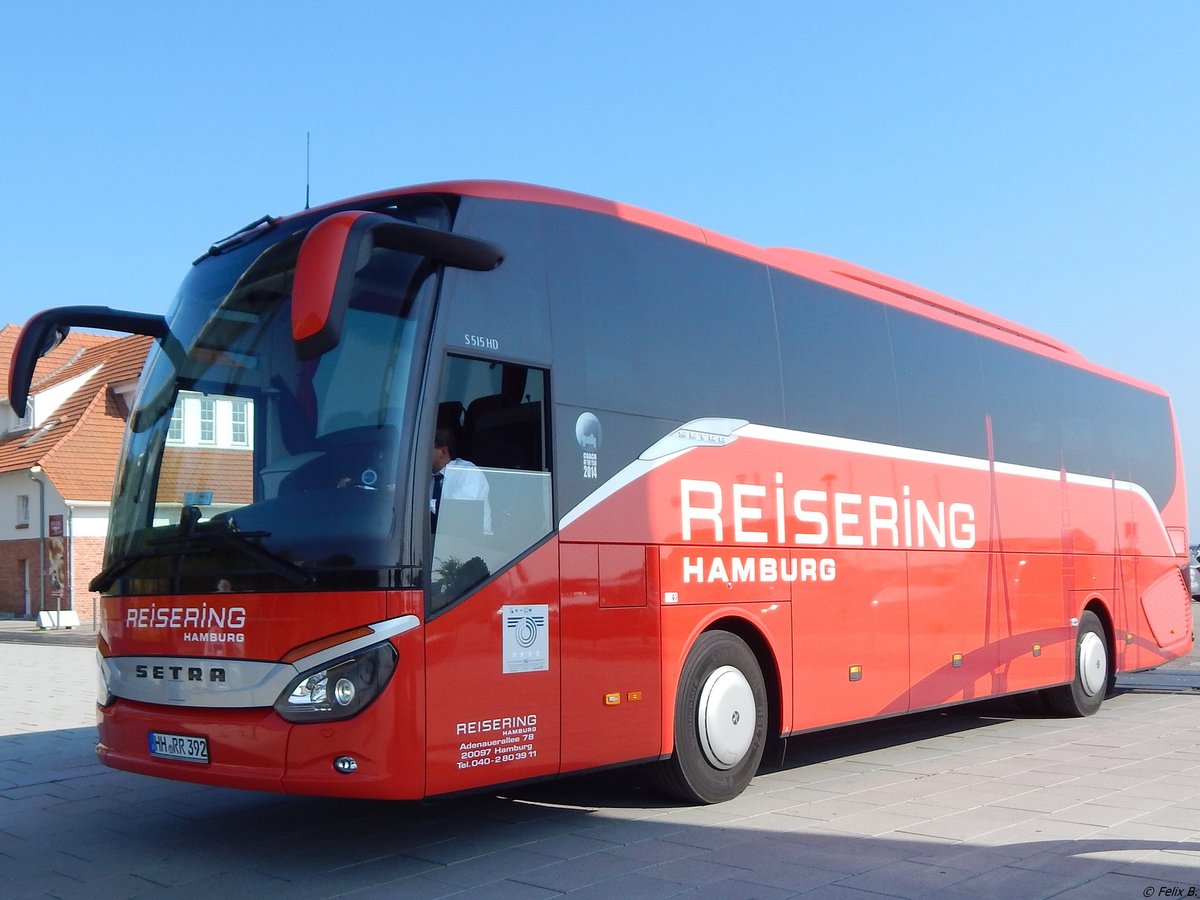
point(1093, 664)
point(726, 717)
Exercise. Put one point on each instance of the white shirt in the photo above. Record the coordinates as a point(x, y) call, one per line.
point(463, 480)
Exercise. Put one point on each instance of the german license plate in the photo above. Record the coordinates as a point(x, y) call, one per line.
point(179, 746)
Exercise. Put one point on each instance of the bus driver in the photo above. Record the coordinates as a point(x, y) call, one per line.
point(456, 479)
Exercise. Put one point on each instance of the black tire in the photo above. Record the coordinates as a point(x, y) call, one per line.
point(717, 751)
point(1093, 672)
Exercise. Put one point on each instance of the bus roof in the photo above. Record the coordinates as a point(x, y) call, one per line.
point(818, 267)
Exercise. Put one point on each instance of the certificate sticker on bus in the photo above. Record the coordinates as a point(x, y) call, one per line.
point(179, 746)
point(526, 638)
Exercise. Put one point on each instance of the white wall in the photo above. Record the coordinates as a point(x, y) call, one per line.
point(14, 484)
point(46, 403)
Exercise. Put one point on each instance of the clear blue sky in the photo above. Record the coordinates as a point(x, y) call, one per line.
point(1038, 159)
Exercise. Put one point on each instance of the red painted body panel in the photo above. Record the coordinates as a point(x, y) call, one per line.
point(255, 748)
point(1163, 614)
point(263, 626)
point(485, 725)
point(247, 746)
point(319, 267)
point(942, 579)
point(611, 701)
point(386, 740)
point(858, 620)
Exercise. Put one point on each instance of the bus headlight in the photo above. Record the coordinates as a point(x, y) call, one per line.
point(339, 690)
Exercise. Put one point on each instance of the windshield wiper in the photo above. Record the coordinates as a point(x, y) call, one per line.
point(114, 570)
point(247, 542)
point(189, 538)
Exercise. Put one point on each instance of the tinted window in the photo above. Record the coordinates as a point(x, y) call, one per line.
point(654, 325)
point(490, 493)
point(859, 369)
point(940, 386)
point(1024, 401)
point(1086, 433)
point(1112, 429)
point(1052, 415)
point(500, 313)
point(837, 362)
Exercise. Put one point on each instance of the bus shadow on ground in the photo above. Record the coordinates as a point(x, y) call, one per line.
point(31, 758)
point(39, 757)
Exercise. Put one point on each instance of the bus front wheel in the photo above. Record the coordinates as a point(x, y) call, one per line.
point(720, 721)
point(1093, 672)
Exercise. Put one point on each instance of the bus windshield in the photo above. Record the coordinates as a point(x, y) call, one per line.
point(246, 467)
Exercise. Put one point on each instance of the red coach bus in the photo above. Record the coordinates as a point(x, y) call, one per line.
point(702, 496)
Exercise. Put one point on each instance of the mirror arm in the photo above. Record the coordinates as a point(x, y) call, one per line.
point(47, 329)
point(447, 247)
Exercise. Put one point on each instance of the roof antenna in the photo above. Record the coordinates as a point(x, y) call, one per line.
point(307, 165)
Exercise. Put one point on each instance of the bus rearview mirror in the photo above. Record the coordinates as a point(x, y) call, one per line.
point(338, 247)
point(46, 330)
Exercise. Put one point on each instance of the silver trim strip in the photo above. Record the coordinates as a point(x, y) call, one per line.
point(220, 683)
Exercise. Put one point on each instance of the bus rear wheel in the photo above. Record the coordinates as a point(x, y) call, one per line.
point(720, 721)
point(1093, 672)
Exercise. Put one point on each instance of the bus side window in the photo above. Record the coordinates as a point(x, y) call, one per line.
point(494, 501)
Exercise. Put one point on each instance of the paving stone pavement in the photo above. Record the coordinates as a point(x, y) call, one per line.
point(975, 802)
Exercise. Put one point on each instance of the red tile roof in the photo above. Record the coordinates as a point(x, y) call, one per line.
point(229, 474)
point(77, 446)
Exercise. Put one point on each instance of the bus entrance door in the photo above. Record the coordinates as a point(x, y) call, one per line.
point(493, 667)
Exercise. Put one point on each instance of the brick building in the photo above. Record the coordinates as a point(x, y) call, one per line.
point(56, 471)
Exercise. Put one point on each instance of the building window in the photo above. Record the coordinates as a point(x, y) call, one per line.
point(240, 436)
point(208, 421)
point(22, 510)
point(175, 432)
